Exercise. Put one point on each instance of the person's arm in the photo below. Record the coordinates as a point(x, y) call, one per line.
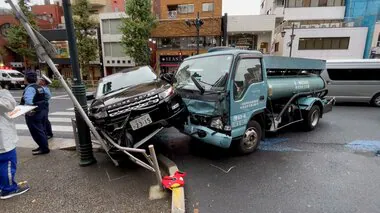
point(7, 102)
point(29, 94)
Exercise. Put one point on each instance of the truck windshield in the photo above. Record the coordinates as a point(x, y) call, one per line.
point(211, 72)
point(125, 79)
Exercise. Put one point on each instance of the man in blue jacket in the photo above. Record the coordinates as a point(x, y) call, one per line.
point(44, 83)
point(8, 157)
point(34, 95)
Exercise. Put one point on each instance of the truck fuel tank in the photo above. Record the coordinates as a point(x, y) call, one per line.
point(287, 86)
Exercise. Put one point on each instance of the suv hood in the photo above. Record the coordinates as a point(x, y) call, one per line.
point(133, 93)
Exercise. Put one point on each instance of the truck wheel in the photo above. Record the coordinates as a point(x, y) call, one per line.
point(376, 100)
point(312, 118)
point(251, 138)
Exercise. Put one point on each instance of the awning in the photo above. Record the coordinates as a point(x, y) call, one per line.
point(169, 65)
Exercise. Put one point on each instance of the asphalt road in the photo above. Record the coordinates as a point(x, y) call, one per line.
point(331, 169)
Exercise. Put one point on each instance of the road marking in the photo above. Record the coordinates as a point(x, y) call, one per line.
point(63, 113)
point(60, 120)
point(54, 127)
point(70, 109)
point(60, 96)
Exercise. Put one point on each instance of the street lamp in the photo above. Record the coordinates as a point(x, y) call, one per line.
point(290, 44)
point(197, 23)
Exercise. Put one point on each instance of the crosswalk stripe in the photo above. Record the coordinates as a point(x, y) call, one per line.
point(54, 127)
point(62, 120)
point(63, 113)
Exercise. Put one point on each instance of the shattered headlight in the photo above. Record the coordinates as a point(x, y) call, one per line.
point(217, 123)
point(166, 93)
point(99, 113)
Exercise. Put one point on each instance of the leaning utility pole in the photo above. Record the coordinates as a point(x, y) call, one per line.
point(79, 90)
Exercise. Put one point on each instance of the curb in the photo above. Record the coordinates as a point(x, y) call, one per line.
point(178, 194)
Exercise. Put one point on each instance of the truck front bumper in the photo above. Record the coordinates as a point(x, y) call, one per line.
point(207, 135)
point(328, 106)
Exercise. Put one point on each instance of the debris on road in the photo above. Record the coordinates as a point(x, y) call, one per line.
point(223, 169)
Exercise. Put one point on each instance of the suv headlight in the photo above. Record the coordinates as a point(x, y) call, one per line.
point(217, 123)
point(99, 114)
point(166, 93)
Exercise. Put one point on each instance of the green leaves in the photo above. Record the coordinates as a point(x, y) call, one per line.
point(85, 27)
point(18, 39)
point(136, 29)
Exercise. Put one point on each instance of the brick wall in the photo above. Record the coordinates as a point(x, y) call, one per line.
point(176, 28)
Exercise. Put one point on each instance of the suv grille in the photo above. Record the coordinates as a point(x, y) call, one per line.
point(127, 106)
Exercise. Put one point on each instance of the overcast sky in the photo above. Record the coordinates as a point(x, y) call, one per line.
point(232, 7)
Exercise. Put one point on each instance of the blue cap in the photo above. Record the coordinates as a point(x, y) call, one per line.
point(31, 77)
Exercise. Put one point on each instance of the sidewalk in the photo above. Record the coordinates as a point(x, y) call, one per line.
point(59, 184)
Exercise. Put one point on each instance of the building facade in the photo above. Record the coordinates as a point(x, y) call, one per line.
point(315, 29)
point(114, 58)
point(368, 11)
point(252, 32)
point(176, 36)
point(375, 50)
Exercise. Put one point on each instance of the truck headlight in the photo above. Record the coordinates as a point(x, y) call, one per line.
point(166, 93)
point(217, 123)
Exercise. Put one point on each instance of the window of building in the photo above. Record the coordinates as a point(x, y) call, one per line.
point(314, 3)
point(292, 3)
point(248, 72)
point(299, 3)
point(323, 43)
point(276, 46)
point(111, 26)
point(113, 49)
point(186, 8)
point(306, 3)
point(105, 26)
point(354, 74)
point(115, 25)
point(207, 7)
point(322, 3)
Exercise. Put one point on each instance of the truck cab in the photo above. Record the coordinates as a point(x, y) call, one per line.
point(231, 100)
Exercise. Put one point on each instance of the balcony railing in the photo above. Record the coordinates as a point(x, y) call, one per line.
point(348, 22)
point(172, 14)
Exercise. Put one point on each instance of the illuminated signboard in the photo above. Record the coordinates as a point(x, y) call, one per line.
point(62, 48)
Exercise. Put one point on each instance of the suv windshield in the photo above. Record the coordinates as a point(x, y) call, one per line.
point(211, 72)
point(16, 75)
point(125, 79)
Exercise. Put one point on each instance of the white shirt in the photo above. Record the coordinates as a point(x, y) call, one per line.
point(8, 132)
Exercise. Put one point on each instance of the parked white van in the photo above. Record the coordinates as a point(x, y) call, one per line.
point(11, 79)
point(353, 80)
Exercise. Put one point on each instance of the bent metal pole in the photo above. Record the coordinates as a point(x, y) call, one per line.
point(43, 55)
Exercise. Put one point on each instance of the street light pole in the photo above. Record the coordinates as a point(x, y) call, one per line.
point(197, 25)
point(291, 41)
point(79, 91)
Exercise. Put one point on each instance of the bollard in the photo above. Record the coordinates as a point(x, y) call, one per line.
point(155, 165)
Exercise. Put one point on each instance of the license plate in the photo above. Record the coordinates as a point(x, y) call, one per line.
point(22, 85)
point(140, 122)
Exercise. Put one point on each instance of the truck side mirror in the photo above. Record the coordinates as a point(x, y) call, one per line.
point(168, 77)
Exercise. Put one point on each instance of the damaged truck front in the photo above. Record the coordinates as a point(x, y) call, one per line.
point(133, 105)
point(235, 96)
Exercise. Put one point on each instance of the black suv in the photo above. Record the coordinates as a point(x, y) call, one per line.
point(135, 104)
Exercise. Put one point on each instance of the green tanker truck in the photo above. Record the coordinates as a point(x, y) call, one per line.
point(235, 96)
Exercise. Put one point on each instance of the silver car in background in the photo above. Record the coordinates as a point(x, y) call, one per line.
point(353, 80)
